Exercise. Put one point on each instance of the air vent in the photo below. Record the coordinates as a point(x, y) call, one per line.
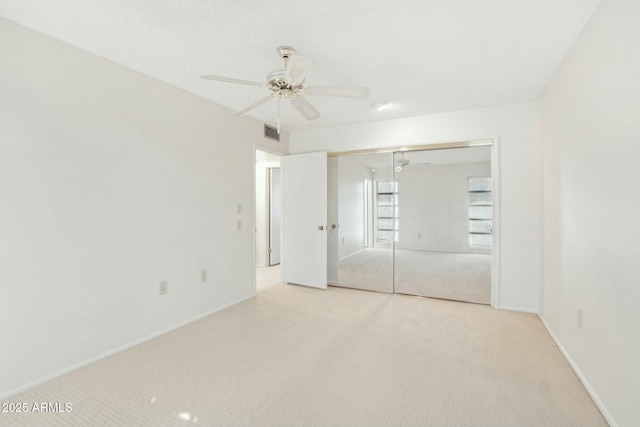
point(271, 133)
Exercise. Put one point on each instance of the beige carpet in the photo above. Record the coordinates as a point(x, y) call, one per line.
point(455, 276)
point(370, 269)
point(267, 277)
point(295, 356)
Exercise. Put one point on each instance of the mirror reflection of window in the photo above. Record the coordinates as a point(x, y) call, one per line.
point(480, 212)
point(387, 211)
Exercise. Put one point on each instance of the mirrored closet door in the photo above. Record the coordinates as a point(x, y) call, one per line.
point(413, 222)
point(363, 205)
point(443, 247)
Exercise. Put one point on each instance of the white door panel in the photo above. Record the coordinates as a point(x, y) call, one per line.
point(304, 219)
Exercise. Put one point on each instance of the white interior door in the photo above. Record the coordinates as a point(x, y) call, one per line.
point(275, 205)
point(304, 219)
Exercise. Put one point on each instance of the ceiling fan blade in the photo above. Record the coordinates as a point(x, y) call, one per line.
point(230, 80)
point(305, 108)
point(296, 66)
point(346, 92)
point(258, 103)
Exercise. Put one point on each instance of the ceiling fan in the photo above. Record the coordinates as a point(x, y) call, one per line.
point(289, 84)
point(403, 163)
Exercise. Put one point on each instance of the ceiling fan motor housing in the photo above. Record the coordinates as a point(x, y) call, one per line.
point(277, 83)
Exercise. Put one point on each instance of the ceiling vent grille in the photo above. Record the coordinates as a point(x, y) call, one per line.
point(271, 133)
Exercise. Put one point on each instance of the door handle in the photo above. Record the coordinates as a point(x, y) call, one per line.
point(320, 228)
point(333, 226)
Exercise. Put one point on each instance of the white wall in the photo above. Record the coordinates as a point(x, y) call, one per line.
point(434, 206)
point(520, 177)
point(351, 175)
point(590, 134)
point(110, 182)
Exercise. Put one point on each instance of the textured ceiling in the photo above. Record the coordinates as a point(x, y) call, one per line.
point(424, 56)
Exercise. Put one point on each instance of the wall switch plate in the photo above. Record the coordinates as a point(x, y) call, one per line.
point(239, 208)
point(579, 319)
point(203, 276)
point(239, 225)
point(163, 287)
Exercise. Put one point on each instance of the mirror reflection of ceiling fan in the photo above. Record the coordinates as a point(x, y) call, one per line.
point(403, 163)
point(289, 84)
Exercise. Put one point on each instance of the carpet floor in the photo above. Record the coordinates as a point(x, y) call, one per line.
point(295, 356)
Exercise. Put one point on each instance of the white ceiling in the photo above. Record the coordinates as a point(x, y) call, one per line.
point(422, 56)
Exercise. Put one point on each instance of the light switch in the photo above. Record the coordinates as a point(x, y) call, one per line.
point(163, 287)
point(239, 208)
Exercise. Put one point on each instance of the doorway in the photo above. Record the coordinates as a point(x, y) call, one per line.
point(267, 219)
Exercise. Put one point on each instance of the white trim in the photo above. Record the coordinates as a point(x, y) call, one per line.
point(518, 309)
point(255, 220)
point(109, 353)
point(542, 233)
point(283, 221)
point(264, 148)
point(282, 218)
point(495, 215)
point(605, 413)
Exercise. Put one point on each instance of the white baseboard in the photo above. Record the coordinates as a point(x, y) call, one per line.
point(521, 310)
point(605, 413)
point(104, 355)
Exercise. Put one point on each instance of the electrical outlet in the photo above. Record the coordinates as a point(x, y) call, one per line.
point(163, 287)
point(203, 276)
point(579, 319)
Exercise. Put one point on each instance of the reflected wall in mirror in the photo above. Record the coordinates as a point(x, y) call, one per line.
point(363, 201)
point(444, 238)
